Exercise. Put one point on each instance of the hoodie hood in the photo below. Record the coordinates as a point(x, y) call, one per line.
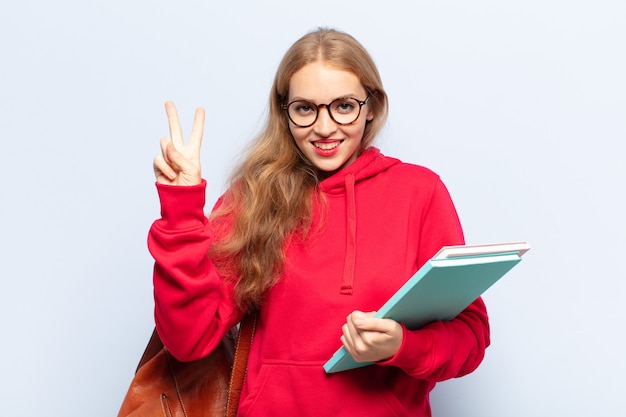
point(368, 164)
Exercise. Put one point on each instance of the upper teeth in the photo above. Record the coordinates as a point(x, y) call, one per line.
point(326, 146)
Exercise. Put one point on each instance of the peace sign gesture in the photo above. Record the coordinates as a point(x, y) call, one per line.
point(179, 164)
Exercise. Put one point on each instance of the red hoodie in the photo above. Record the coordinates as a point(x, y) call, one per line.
point(383, 220)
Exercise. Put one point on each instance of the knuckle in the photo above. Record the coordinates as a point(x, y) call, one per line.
point(368, 339)
point(360, 348)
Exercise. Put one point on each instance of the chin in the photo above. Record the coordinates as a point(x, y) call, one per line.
point(329, 169)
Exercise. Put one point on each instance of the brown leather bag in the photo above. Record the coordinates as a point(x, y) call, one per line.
point(208, 387)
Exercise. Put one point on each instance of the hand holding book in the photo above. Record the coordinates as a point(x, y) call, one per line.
point(370, 339)
point(442, 288)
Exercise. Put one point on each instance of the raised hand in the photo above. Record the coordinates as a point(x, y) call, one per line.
point(179, 164)
point(368, 339)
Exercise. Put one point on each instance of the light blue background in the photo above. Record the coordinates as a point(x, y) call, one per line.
point(519, 106)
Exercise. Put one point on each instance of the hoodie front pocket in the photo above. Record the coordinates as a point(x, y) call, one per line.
point(304, 389)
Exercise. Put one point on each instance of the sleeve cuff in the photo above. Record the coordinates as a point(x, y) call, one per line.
point(415, 348)
point(182, 206)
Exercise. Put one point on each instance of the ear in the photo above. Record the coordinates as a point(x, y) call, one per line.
point(370, 116)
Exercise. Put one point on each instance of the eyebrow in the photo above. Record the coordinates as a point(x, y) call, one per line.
point(350, 95)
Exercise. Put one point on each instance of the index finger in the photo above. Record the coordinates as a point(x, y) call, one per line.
point(176, 132)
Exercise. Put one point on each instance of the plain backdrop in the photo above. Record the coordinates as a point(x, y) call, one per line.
point(519, 106)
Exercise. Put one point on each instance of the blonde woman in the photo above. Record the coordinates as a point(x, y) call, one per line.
point(316, 230)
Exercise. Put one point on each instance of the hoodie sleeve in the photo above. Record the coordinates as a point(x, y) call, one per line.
point(443, 350)
point(194, 307)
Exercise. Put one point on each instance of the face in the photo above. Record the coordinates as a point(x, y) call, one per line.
point(328, 145)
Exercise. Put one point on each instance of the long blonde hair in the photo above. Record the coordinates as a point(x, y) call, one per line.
point(272, 191)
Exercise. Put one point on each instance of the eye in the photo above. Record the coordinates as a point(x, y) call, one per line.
point(303, 107)
point(344, 105)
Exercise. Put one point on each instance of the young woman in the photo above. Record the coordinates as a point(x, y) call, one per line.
point(316, 231)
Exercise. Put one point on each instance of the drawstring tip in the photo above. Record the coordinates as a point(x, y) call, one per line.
point(346, 290)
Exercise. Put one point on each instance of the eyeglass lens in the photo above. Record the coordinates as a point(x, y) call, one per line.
point(342, 110)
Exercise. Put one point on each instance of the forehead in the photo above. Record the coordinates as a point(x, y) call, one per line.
point(322, 83)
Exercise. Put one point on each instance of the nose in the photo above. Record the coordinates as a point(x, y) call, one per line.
point(324, 125)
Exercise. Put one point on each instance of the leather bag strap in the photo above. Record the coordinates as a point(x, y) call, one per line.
point(154, 346)
point(240, 364)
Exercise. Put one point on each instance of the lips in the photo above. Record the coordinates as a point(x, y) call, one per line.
point(326, 148)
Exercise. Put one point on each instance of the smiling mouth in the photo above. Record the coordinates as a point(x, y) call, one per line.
point(327, 146)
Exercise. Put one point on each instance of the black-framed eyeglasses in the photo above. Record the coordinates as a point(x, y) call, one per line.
point(343, 111)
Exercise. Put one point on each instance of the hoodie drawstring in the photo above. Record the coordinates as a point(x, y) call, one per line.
point(348, 268)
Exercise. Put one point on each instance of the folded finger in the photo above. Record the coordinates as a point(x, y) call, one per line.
point(354, 343)
point(165, 141)
point(346, 339)
point(162, 171)
point(350, 330)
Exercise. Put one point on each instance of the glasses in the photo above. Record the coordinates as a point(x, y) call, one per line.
point(343, 111)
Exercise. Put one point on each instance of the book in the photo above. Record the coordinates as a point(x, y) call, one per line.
point(442, 288)
point(492, 248)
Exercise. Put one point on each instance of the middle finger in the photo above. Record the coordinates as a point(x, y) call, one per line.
point(197, 130)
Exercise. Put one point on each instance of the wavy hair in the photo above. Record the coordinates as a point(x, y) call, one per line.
point(272, 191)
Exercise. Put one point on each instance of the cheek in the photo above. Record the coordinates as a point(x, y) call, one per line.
point(298, 135)
point(356, 131)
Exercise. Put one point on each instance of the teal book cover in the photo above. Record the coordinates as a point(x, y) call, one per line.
point(440, 290)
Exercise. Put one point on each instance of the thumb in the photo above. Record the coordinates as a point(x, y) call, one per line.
point(362, 320)
point(187, 172)
point(175, 159)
